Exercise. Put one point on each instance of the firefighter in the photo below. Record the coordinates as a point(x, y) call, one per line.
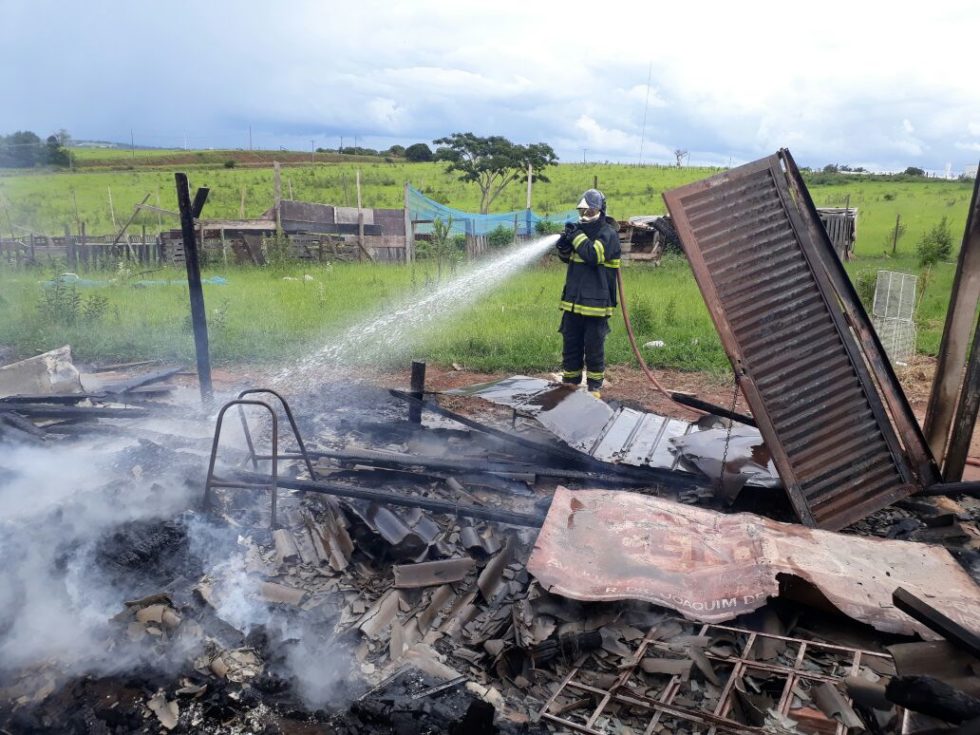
point(591, 249)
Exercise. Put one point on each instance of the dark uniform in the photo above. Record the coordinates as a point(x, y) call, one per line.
point(592, 252)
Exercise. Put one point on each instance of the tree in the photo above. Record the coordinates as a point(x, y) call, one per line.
point(418, 153)
point(395, 150)
point(493, 162)
point(914, 171)
point(680, 154)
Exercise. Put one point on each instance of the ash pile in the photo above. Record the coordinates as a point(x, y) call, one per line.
point(450, 564)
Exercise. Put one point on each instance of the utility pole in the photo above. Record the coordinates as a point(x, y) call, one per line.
point(583, 154)
point(341, 149)
point(250, 138)
point(132, 143)
point(898, 220)
point(312, 153)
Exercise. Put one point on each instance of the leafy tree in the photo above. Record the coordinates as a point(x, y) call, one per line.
point(492, 162)
point(24, 149)
point(395, 150)
point(914, 171)
point(418, 153)
point(831, 168)
point(936, 245)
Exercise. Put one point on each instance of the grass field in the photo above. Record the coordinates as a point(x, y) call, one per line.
point(46, 202)
point(258, 316)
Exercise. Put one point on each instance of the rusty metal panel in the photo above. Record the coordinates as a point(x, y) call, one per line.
point(603, 545)
point(752, 243)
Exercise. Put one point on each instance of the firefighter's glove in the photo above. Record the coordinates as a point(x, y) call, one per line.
point(570, 228)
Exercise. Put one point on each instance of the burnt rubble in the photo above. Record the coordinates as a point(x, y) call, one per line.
point(352, 615)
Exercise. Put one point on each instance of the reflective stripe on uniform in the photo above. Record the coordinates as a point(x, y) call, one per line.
point(572, 375)
point(612, 263)
point(586, 310)
point(600, 252)
point(595, 375)
point(579, 239)
point(575, 258)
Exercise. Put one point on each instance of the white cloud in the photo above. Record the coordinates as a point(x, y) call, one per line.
point(732, 80)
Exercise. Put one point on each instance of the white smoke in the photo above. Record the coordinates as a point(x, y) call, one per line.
point(55, 505)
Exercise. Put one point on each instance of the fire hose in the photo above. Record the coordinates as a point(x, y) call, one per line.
point(689, 402)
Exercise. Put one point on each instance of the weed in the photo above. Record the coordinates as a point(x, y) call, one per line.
point(936, 244)
point(642, 317)
point(865, 282)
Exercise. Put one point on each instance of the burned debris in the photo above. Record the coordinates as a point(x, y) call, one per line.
point(511, 557)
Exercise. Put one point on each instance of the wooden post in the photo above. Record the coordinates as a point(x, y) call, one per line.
point(409, 233)
point(71, 250)
point(360, 215)
point(78, 221)
point(289, 183)
point(595, 182)
point(144, 253)
point(159, 211)
point(966, 416)
point(241, 207)
point(530, 179)
point(898, 221)
point(112, 212)
point(83, 245)
point(188, 212)
point(136, 211)
point(956, 335)
point(277, 193)
point(224, 248)
point(31, 248)
point(417, 390)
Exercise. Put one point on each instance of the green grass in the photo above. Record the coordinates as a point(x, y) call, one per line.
point(259, 317)
point(44, 201)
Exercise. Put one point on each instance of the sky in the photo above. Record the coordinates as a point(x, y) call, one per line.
point(873, 84)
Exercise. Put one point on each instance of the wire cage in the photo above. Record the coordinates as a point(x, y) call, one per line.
point(893, 314)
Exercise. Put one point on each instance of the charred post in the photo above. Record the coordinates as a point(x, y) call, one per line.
point(418, 391)
point(188, 212)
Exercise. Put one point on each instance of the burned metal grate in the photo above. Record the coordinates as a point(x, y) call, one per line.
point(765, 267)
point(788, 663)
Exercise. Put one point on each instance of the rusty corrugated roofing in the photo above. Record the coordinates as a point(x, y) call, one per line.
point(785, 312)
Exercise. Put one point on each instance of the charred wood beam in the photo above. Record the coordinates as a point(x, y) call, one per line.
point(670, 478)
point(936, 621)
point(124, 386)
point(932, 697)
point(711, 408)
point(952, 488)
point(448, 507)
point(469, 466)
point(43, 411)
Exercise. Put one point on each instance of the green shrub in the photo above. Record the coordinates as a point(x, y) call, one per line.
point(865, 282)
point(230, 163)
point(936, 244)
point(545, 227)
point(641, 317)
point(500, 236)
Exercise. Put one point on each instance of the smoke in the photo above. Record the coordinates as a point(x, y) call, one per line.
point(55, 602)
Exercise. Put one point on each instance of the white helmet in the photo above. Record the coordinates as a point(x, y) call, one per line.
point(591, 206)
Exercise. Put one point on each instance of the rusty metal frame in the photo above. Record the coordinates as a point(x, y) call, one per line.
point(870, 451)
point(718, 720)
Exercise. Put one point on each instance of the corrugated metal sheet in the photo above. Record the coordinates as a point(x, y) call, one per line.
point(630, 437)
point(760, 257)
point(620, 435)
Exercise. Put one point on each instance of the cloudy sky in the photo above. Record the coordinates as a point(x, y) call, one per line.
point(884, 85)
